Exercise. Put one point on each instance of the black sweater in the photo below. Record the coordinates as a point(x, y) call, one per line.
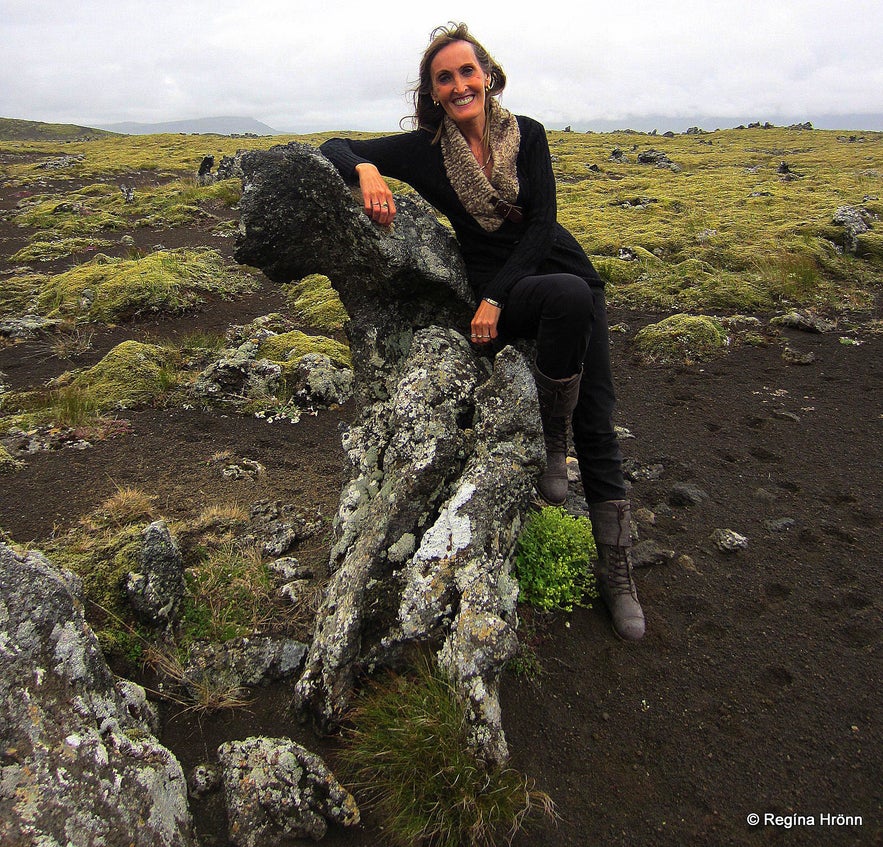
point(495, 261)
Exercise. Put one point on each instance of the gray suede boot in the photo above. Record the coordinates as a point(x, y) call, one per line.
point(613, 537)
point(557, 401)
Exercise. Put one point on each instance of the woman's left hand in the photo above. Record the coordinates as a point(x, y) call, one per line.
point(484, 323)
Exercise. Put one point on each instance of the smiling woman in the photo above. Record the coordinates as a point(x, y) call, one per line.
point(490, 173)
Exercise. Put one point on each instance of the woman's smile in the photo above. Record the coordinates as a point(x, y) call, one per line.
point(459, 82)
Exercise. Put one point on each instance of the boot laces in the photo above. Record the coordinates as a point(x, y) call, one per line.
point(555, 434)
point(619, 571)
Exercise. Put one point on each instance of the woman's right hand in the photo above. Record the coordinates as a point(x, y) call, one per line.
point(377, 202)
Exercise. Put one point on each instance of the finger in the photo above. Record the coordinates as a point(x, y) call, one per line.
point(378, 209)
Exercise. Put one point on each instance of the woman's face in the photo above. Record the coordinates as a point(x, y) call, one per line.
point(458, 82)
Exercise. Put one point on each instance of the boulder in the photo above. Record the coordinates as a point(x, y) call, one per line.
point(297, 217)
point(238, 375)
point(81, 763)
point(441, 456)
point(245, 662)
point(854, 220)
point(658, 158)
point(276, 790)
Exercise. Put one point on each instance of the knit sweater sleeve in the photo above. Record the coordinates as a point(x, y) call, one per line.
point(541, 213)
point(390, 154)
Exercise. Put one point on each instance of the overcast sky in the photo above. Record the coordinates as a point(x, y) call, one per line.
point(306, 66)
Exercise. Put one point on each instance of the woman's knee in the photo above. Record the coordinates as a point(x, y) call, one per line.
point(571, 298)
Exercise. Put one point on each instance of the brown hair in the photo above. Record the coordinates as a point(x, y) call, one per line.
point(427, 115)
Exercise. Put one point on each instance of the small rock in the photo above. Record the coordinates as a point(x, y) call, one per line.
point(645, 516)
point(795, 357)
point(203, 779)
point(243, 469)
point(26, 327)
point(686, 494)
point(157, 590)
point(803, 321)
point(288, 569)
point(729, 541)
point(634, 470)
point(246, 662)
point(687, 562)
point(765, 495)
point(780, 524)
point(648, 553)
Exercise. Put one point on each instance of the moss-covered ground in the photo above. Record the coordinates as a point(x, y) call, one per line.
point(743, 222)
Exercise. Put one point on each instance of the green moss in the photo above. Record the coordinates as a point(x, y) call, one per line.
point(102, 558)
point(69, 218)
point(748, 238)
point(102, 206)
point(682, 339)
point(291, 346)
point(18, 294)
point(8, 463)
point(729, 210)
point(107, 289)
point(316, 302)
point(50, 249)
point(129, 374)
point(870, 247)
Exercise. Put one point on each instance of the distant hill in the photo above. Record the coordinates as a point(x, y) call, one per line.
point(217, 126)
point(867, 122)
point(12, 129)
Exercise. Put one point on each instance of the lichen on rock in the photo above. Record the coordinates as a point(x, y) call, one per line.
point(81, 762)
point(277, 790)
point(441, 455)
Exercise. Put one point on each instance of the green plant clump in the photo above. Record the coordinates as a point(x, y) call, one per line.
point(407, 752)
point(108, 289)
point(682, 339)
point(314, 299)
point(18, 294)
point(552, 563)
point(130, 373)
point(50, 249)
point(291, 346)
point(229, 594)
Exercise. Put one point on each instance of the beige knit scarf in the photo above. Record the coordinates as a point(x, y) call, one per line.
point(477, 192)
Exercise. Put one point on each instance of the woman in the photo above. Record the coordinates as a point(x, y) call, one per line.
point(490, 172)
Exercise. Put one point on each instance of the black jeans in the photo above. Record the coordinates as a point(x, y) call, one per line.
point(568, 319)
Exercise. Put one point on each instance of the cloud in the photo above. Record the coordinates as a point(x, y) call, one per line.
point(307, 66)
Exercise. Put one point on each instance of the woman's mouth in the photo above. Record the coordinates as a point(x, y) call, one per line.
point(463, 101)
